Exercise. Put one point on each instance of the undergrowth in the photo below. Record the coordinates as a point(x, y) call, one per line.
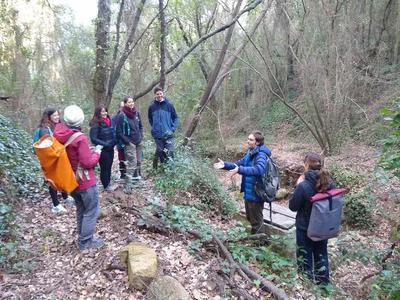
point(18, 163)
point(192, 178)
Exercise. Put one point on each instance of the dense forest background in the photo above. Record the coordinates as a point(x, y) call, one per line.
point(311, 74)
point(324, 68)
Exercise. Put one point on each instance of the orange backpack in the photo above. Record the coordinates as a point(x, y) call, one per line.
point(55, 163)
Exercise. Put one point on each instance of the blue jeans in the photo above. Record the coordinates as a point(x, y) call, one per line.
point(87, 211)
point(312, 257)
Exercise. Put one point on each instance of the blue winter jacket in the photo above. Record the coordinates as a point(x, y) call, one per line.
point(163, 119)
point(300, 200)
point(252, 166)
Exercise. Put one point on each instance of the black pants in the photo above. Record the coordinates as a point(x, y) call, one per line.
point(164, 149)
point(54, 197)
point(254, 214)
point(312, 257)
point(105, 162)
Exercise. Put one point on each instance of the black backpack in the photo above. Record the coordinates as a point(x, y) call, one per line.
point(267, 185)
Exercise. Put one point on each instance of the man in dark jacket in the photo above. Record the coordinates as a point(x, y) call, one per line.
point(252, 167)
point(164, 121)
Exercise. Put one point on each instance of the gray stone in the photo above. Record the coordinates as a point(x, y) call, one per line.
point(166, 288)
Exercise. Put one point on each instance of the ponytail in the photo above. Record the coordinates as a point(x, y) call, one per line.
point(323, 180)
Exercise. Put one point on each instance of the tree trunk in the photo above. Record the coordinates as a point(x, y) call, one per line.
point(211, 81)
point(163, 34)
point(102, 46)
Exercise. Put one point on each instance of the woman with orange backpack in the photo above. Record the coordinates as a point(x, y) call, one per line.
point(50, 118)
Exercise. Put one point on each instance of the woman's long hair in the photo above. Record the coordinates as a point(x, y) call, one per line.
point(45, 121)
point(97, 115)
point(314, 161)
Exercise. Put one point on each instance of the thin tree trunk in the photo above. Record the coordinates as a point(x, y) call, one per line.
point(102, 46)
point(163, 34)
point(116, 73)
point(205, 37)
point(211, 81)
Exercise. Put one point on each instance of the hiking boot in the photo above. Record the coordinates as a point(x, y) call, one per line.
point(69, 200)
point(92, 244)
point(59, 209)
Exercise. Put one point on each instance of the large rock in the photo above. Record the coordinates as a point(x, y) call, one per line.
point(141, 262)
point(166, 288)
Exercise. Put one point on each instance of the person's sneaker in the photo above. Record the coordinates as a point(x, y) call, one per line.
point(59, 209)
point(92, 244)
point(137, 177)
point(69, 200)
point(110, 188)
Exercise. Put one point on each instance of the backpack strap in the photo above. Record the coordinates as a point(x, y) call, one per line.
point(126, 128)
point(72, 138)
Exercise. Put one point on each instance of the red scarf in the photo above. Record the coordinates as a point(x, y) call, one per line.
point(106, 120)
point(130, 113)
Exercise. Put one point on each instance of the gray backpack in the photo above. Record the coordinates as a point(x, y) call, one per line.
point(326, 215)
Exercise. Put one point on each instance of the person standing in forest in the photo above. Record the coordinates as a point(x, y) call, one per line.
point(312, 256)
point(102, 133)
point(252, 167)
point(130, 135)
point(120, 148)
point(83, 161)
point(163, 121)
point(50, 118)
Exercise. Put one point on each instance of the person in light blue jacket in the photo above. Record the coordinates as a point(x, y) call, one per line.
point(164, 121)
point(252, 167)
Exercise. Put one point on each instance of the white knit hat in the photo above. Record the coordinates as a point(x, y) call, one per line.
point(73, 115)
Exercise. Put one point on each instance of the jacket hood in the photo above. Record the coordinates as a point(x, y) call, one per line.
point(62, 132)
point(311, 176)
point(265, 149)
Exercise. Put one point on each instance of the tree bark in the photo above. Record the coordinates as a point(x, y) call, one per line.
point(102, 46)
point(163, 34)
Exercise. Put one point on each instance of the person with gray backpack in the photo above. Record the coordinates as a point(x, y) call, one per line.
point(311, 240)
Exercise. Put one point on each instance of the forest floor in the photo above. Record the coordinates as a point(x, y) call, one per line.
point(60, 271)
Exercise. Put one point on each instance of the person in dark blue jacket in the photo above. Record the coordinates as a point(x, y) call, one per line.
point(164, 121)
point(312, 257)
point(102, 133)
point(130, 135)
point(252, 166)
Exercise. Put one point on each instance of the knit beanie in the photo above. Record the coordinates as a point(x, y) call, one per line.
point(73, 116)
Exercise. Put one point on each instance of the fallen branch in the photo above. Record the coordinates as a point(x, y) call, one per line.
point(242, 269)
point(266, 285)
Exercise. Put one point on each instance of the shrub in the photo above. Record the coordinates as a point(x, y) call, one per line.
point(345, 177)
point(358, 208)
point(188, 176)
point(18, 164)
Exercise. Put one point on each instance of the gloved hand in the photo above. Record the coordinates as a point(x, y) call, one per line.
point(98, 149)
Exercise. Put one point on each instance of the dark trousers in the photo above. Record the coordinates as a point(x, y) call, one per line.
point(312, 257)
point(105, 162)
point(122, 166)
point(164, 149)
point(54, 197)
point(254, 214)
